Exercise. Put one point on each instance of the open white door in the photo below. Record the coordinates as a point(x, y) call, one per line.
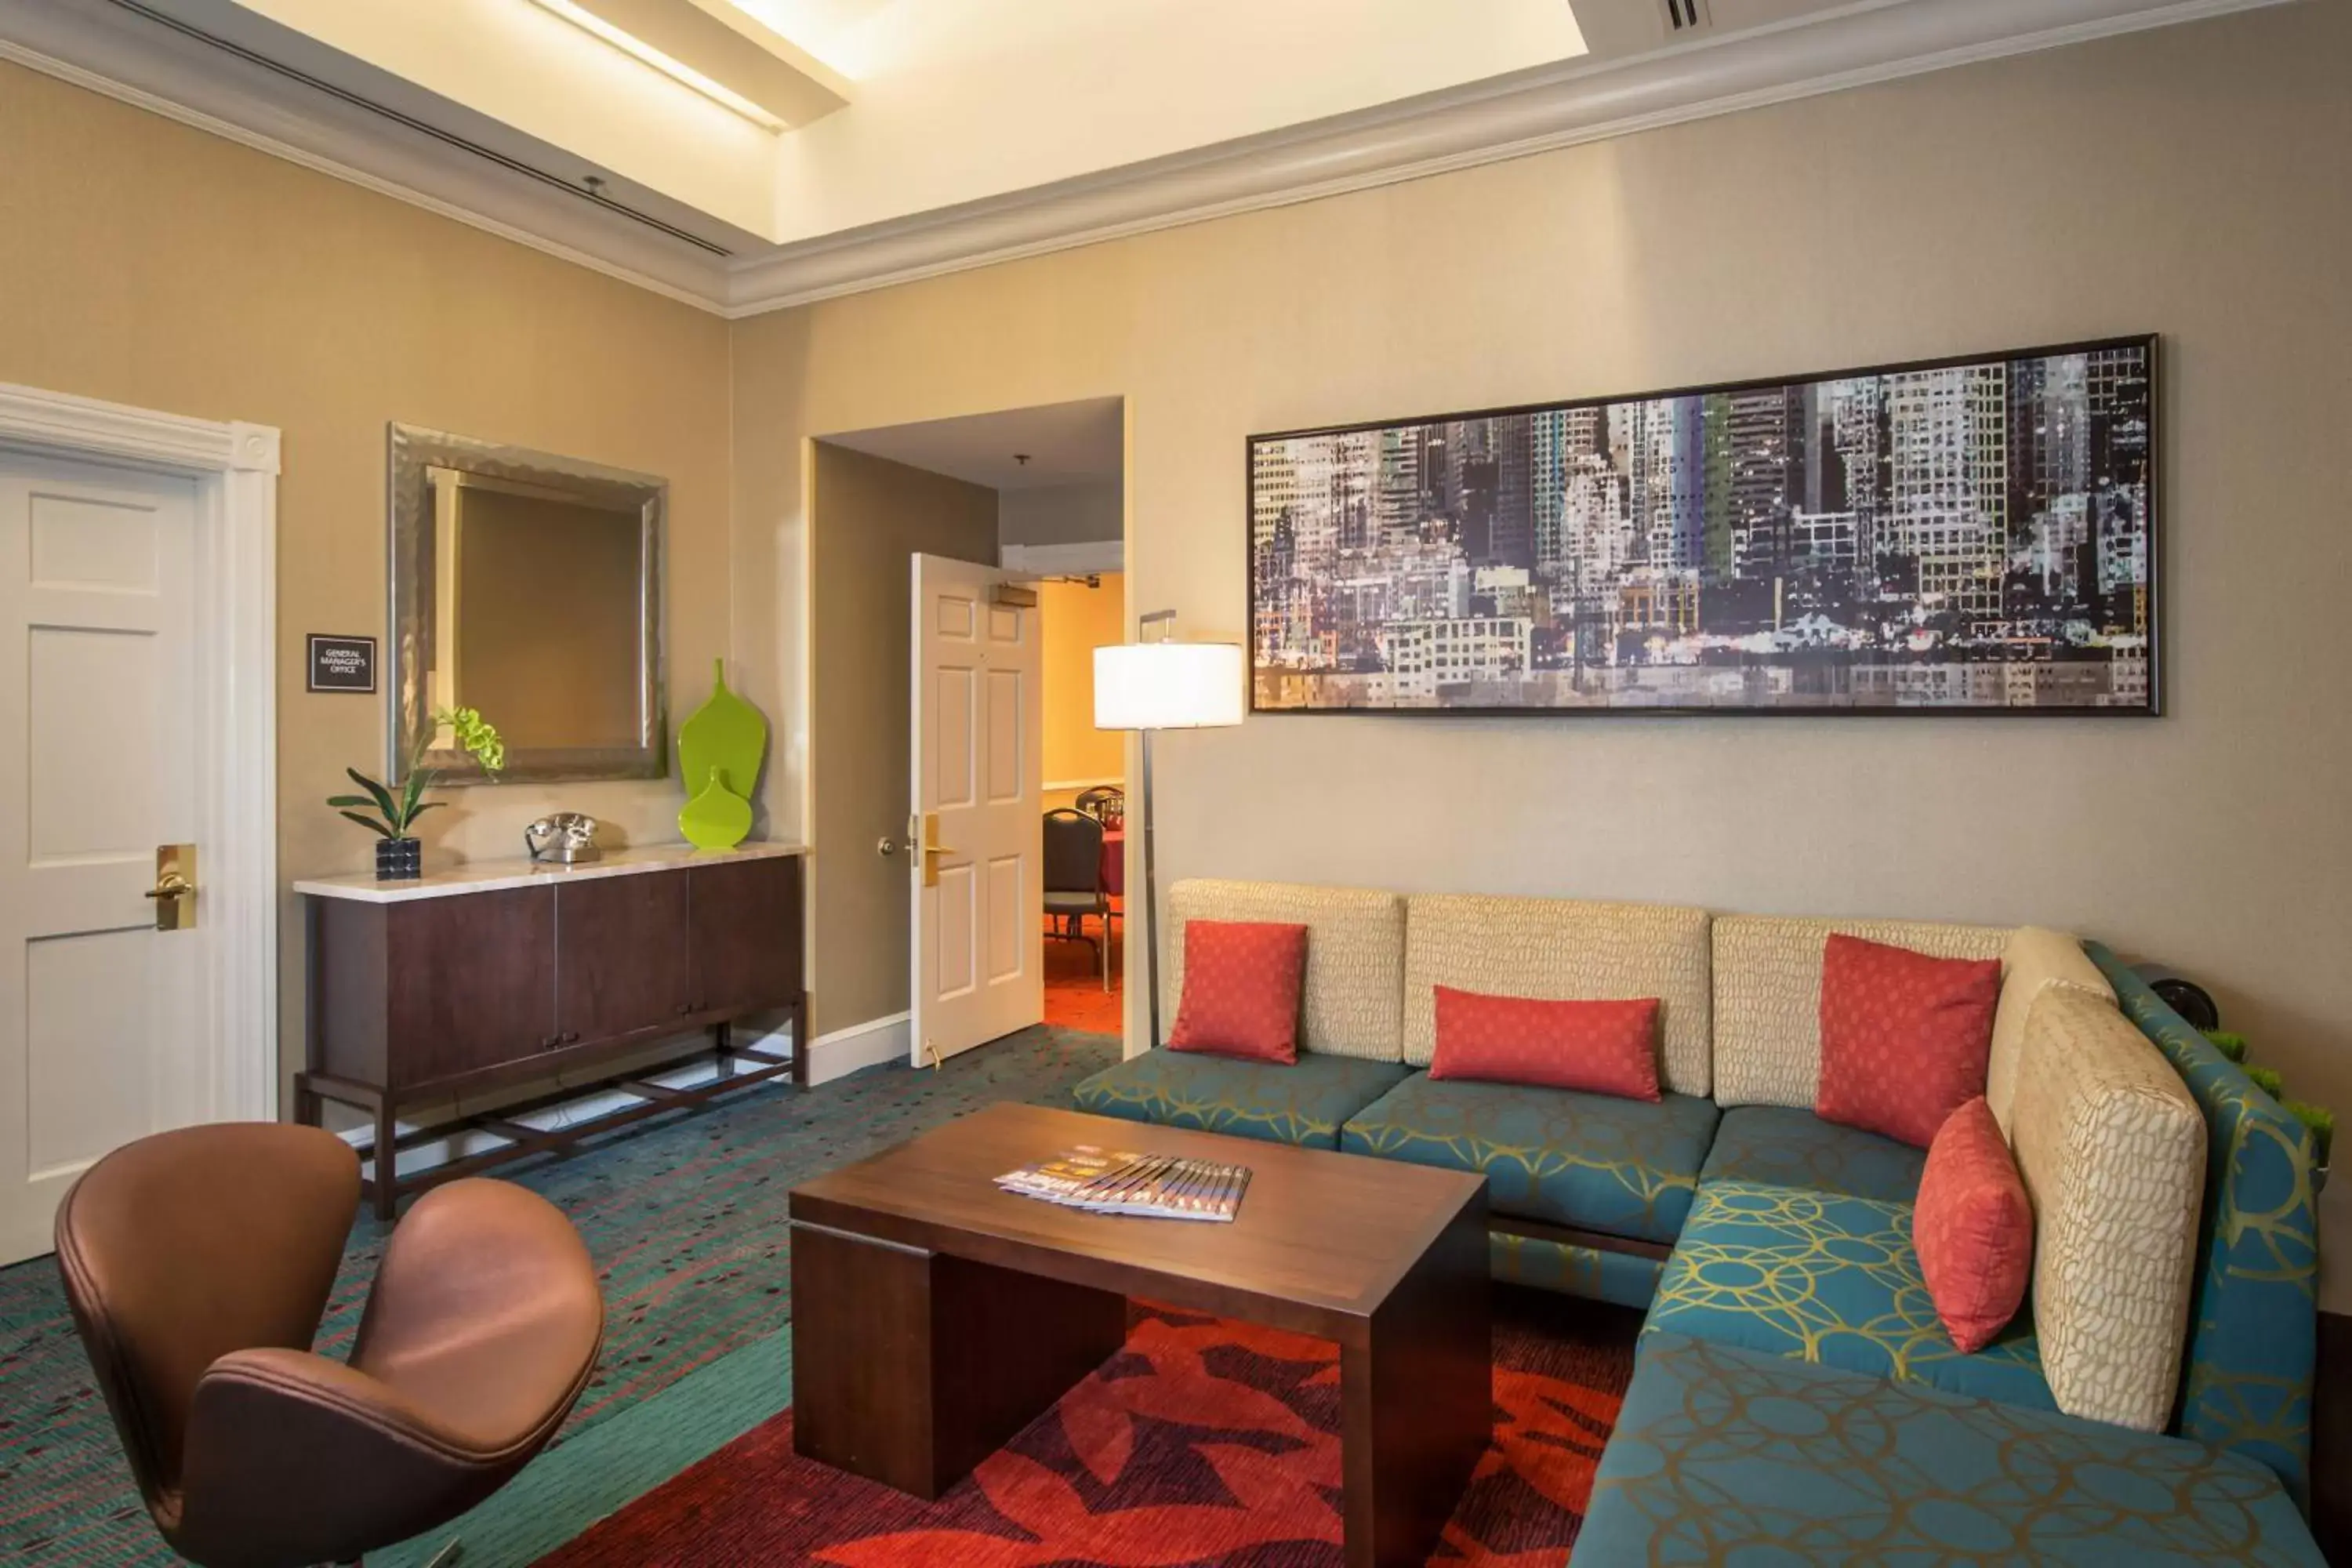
point(103, 1018)
point(978, 830)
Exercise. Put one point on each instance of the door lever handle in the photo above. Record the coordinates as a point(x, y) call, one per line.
point(174, 891)
point(927, 847)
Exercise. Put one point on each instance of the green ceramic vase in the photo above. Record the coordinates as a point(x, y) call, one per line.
point(717, 818)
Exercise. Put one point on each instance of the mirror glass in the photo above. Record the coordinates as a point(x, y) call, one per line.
point(526, 585)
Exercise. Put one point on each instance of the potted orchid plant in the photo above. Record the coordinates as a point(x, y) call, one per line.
point(390, 814)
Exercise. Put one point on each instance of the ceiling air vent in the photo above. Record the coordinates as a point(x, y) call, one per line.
point(1686, 16)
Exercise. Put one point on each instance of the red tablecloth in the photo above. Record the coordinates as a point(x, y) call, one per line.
point(1113, 863)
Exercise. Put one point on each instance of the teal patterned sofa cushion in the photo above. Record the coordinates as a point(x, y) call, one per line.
point(1598, 1275)
point(1776, 1145)
point(1305, 1103)
point(1723, 1456)
point(1830, 1279)
point(1594, 1162)
point(2253, 1323)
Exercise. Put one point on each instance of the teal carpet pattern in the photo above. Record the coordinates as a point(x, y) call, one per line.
point(685, 1217)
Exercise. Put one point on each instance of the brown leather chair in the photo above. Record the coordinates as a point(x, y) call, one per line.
point(198, 1262)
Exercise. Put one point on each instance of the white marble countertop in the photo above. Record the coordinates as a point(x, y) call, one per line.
point(489, 876)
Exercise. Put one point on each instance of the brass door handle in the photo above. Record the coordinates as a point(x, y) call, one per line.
point(927, 829)
point(173, 893)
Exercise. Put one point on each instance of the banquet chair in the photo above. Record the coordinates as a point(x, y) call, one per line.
point(1073, 889)
point(1107, 804)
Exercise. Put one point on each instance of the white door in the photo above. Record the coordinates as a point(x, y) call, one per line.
point(980, 838)
point(102, 1016)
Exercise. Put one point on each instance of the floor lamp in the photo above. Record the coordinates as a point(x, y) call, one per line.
point(1158, 683)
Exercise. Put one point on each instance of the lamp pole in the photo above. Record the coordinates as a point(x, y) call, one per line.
point(1158, 626)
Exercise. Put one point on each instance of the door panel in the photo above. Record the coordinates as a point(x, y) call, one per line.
point(977, 760)
point(472, 983)
point(744, 927)
point(620, 955)
point(99, 703)
point(86, 1044)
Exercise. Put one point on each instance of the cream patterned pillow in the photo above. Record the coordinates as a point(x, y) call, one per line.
point(2111, 1149)
point(1562, 950)
point(1768, 995)
point(2035, 960)
point(1355, 957)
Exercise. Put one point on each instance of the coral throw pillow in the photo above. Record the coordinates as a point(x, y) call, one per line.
point(1973, 1227)
point(1904, 1037)
point(1241, 982)
point(1600, 1048)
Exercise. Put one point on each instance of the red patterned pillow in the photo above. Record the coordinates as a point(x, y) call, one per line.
point(1600, 1048)
point(1973, 1227)
point(1241, 983)
point(1904, 1037)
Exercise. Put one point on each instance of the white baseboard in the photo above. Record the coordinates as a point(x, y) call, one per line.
point(871, 1044)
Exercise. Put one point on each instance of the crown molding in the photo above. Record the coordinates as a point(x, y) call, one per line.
point(1486, 122)
point(104, 51)
point(100, 47)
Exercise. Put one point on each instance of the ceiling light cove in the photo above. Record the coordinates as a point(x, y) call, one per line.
point(719, 51)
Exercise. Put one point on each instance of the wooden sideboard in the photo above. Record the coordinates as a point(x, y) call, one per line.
point(471, 983)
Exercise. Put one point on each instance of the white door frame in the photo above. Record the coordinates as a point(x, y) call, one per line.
point(235, 466)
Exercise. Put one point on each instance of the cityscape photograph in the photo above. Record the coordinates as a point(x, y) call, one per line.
point(1970, 534)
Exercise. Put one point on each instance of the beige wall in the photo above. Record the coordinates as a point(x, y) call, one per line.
point(1062, 514)
point(151, 264)
point(1077, 620)
point(2195, 181)
point(871, 517)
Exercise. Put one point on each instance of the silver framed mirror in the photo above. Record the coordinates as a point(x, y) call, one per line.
point(530, 586)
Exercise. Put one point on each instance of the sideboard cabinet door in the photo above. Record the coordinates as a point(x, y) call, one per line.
point(470, 983)
point(745, 925)
point(620, 963)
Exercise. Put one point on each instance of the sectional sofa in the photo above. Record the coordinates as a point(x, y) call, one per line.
point(1794, 1392)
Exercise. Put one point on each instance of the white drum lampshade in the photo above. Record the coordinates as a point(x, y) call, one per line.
point(1168, 686)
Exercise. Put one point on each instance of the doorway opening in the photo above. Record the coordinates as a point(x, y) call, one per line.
point(968, 815)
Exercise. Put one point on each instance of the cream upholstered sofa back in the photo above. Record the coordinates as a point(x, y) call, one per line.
point(1355, 957)
point(1768, 995)
point(2112, 1148)
point(1563, 950)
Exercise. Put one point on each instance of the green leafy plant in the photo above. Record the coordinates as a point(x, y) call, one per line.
point(2268, 1080)
point(2231, 1046)
point(393, 813)
point(2322, 1122)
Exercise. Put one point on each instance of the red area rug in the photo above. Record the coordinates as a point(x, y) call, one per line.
point(1203, 1443)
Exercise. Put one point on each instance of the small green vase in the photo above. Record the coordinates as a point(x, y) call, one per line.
point(717, 818)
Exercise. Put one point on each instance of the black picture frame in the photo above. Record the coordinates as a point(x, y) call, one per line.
point(2147, 535)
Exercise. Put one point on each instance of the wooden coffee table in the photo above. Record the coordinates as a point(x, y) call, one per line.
point(935, 1315)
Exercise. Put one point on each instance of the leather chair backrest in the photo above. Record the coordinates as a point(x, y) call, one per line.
point(186, 1246)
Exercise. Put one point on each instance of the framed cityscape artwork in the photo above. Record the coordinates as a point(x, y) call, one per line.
point(1955, 536)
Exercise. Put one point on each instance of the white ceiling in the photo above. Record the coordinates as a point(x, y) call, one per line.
point(1066, 443)
point(959, 101)
point(968, 131)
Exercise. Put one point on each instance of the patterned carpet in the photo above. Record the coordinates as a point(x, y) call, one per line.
point(1203, 1443)
point(685, 1215)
